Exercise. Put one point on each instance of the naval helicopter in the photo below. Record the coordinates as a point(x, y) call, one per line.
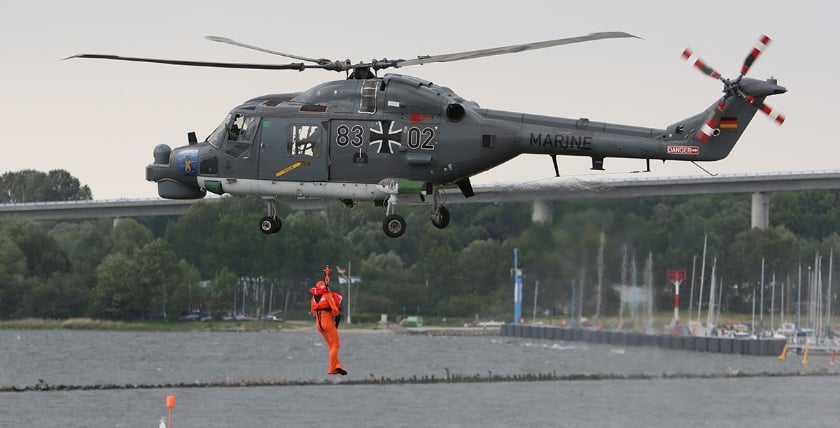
point(400, 139)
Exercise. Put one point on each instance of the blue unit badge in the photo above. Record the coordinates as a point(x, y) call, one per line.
point(188, 162)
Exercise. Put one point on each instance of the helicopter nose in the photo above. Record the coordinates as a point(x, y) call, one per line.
point(175, 172)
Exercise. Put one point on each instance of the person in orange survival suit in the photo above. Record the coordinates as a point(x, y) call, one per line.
point(325, 308)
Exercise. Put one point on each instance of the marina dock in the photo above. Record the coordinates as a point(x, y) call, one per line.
point(725, 345)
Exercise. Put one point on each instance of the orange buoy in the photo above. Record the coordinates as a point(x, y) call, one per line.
point(784, 352)
point(170, 404)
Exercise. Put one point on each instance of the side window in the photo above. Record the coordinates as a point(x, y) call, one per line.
point(240, 135)
point(305, 140)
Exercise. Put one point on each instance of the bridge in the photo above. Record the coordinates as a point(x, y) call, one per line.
point(759, 185)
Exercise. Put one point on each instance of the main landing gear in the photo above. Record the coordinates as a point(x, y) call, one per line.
point(270, 223)
point(394, 224)
point(440, 214)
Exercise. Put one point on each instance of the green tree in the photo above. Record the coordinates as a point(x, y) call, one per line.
point(35, 186)
point(809, 214)
point(12, 276)
point(128, 236)
point(223, 289)
point(115, 295)
point(151, 283)
point(43, 254)
point(158, 277)
point(741, 265)
point(481, 272)
point(85, 243)
point(63, 295)
point(196, 235)
point(187, 294)
point(382, 274)
point(436, 269)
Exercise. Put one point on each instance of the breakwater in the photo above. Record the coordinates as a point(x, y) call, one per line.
point(418, 380)
point(723, 345)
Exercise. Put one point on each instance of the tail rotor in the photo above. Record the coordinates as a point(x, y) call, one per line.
point(752, 91)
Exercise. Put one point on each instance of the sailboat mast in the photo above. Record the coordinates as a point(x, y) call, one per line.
point(710, 317)
point(828, 304)
point(702, 273)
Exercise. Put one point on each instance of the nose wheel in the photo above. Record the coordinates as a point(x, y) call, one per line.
point(270, 223)
point(394, 225)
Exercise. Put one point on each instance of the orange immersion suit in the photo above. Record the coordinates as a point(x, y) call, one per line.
point(325, 308)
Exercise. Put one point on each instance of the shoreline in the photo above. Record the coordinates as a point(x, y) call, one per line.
point(88, 324)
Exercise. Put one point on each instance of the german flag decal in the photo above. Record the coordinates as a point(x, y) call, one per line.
point(729, 123)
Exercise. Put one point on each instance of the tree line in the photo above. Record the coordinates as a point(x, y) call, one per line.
point(214, 260)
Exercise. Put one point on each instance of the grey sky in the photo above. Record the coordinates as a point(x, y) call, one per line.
point(100, 120)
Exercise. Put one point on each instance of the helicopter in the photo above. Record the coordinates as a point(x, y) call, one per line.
point(401, 139)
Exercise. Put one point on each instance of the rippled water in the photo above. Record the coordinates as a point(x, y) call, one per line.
point(92, 358)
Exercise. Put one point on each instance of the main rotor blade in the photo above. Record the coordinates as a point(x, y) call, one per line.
point(756, 51)
point(293, 66)
point(511, 49)
point(321, 61)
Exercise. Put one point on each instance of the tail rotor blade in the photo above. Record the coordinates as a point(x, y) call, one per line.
point(763, 41)
point(772, 114)
point(689, 56)
point(710, 124)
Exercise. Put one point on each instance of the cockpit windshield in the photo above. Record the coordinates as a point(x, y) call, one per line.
point(219, 135)
point(236, 127)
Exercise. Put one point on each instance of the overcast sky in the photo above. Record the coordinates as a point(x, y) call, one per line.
point(100, 120)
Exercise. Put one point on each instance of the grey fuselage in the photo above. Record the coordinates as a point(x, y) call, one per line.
point(344, 138)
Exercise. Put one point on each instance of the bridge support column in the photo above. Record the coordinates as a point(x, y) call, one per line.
point(541, 212)
point(760, 210)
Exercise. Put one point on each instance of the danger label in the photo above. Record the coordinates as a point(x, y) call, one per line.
point(683, 150)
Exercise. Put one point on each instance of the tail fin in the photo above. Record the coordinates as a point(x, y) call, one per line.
point(721, 125)
point(735, 116)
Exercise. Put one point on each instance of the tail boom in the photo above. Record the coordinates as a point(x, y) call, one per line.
point(600, 140)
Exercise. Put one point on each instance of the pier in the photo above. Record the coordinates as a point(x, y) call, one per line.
point(724, 345)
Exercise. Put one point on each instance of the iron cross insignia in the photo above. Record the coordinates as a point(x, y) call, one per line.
point(385, 139)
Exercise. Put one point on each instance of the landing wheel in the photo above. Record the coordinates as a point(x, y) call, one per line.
point(441, 218)
point(269, 225)
point(394, 225)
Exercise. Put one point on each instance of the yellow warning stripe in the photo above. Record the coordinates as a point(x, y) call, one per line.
point(289, 168)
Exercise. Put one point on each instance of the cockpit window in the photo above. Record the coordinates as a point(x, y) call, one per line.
point(236, 133)
point(305, 140)
point(217, 137)
point(242, 128)
point(240, 135)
